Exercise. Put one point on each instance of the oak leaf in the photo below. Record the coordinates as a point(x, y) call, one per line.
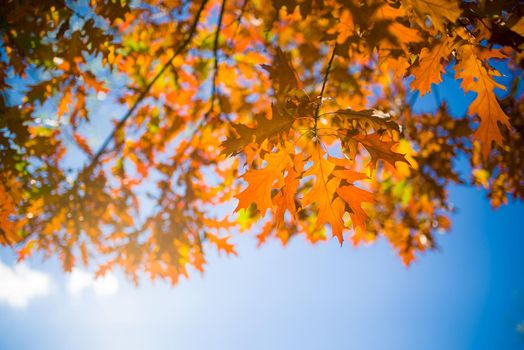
point(475, 77)
point(280, 123)
point(366, 118)
point(438, 11)
point(285, 198)
point(380, 149)
point(429, 69)
point(345, 27)
point(330, 208)
point(282, 74)
point(222, 243)
point(260, 182)
point(394, 33)
point(354, 197)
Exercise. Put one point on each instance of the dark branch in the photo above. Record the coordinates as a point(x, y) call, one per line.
point(144, 93)
point(317, 110)
point(215, 55)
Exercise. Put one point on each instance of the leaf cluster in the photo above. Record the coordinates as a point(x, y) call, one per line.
point(130, 131)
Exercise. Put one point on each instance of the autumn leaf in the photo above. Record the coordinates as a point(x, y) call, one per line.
point(280, 123)
point(290, 5)
point(398, 34)
point(222, 243)
point(367, 118)
point(82, 143)
point(404, 35)
point(104, 268)
point(438, 11)
point(264, 233)
point(345, 27)
point(26, 250)
point(285, 198)
point(380, 149)
point(188, 89)
point(282, 74)
point(330, 209)
point(386, 12)
point(65, 102)
point(8, 201)
point(354, 197)
point(261, 182)
point(430, 68)
point(475, 77)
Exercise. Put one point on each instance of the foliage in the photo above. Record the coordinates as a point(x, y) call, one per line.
point(298, 112)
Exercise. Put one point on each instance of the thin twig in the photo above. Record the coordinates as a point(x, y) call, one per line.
point(324, 86)
point(215, 55)
point(236, 20)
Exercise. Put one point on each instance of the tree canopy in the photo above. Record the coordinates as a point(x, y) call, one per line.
point(130, 130)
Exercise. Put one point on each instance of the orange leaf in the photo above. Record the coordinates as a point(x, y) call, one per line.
point(65, 102)
point(345, 27)
point(476, 78)
point(430, 67)
point(285, 199)
point(438, 11)
point(260, 182)
point(82, 143)
point(330, 209)
point(222, 243)
point(354, 197)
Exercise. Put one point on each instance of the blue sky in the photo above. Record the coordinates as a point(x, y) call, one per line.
point(467, 295)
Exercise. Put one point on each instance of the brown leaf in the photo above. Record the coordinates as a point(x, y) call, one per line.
point(379, 149)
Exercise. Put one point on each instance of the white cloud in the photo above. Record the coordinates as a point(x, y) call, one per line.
point(107, 285)
point(80, 280)
point(20, 284)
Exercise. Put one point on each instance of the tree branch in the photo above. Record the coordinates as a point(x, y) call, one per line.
point(317, 110)
point(215, 55)
point(144, 93)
